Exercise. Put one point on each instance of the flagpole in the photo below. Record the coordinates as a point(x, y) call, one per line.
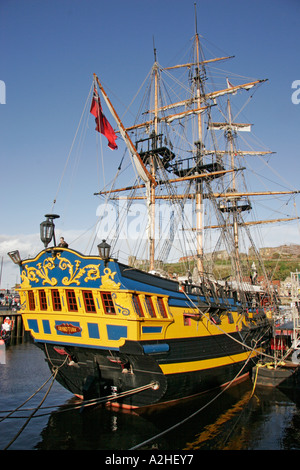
point(146, 176)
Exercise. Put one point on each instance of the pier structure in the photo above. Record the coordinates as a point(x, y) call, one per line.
point(18, 334)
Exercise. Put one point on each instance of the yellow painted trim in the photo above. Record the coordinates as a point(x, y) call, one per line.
point(193, 366)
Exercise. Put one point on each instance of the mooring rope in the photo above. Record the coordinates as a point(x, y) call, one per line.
point(10, 412)
point(32, 414)
point(81, 405)
point(192, 415)
point(53, 376)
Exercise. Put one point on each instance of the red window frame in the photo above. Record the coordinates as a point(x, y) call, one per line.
point(161, 307)
point(56, 300)
point(108, 305)
point(137, 305)
point(71, 300)
point(43, 300)
point(150, 306)
point(89, 302)
point(31, 300)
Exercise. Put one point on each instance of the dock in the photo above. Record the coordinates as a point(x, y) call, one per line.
point(19, 335)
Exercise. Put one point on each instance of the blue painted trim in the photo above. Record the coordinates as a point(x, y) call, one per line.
point(151, 329)
point(93, 330)
point(115, 332)
point(33, 325)
point(175, 302)
point(46, 327)
point(156, 348)
point(139, 281)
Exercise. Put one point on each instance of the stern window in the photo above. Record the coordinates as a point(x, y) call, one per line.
point(108, 304)
point(43, 300)
point(89, 301)
point(56, 300)
point(150, 306)
point(31, 300)
point(71, 299)
point(137, 305)
point(161, 307)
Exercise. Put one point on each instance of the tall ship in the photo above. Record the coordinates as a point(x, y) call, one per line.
point(138, 332)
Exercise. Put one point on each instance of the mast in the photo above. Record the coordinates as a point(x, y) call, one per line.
point(152, 167)
point(233, 184)
point(163, 160)
point(199, 156)
point(233, 189)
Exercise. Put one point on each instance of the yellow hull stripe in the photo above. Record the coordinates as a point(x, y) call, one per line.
point(193, 366)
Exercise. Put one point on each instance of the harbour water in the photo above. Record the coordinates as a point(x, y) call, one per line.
point(268, 419)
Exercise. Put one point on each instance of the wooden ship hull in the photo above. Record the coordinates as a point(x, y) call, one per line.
point(115, 332)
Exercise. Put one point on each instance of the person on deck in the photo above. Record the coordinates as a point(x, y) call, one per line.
point(62, 243)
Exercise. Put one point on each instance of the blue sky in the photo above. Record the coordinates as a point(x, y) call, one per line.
point(50, 50)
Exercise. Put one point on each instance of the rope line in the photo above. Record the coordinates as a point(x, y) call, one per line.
point(81, 404)
point(252, 351)
point(71, 149)
point(10, 412)
point(227, 334)
point(53, 376)
point(192, 415)
point(32, 414)
point(114, 397)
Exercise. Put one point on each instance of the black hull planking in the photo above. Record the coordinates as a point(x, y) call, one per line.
point(97, 373)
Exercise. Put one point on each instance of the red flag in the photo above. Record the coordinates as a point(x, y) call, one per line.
point(102, 124)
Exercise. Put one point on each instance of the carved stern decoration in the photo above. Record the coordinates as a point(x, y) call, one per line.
point(58, 270)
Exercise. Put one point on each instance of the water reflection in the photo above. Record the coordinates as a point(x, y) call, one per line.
point(237, 420)
point(96, 428)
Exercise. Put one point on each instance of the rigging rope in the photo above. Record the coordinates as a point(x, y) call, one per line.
point(252, 351)
point(227, 334)
point(92, 402)
point(70, 151)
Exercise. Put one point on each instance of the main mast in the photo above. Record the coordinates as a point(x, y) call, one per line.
point(152, 170)
point(199, 160)
point(159, 161)
point(234, 207)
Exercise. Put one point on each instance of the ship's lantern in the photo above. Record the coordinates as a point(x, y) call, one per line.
point(104, 250)
point(15, 257)
point(47, 229)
